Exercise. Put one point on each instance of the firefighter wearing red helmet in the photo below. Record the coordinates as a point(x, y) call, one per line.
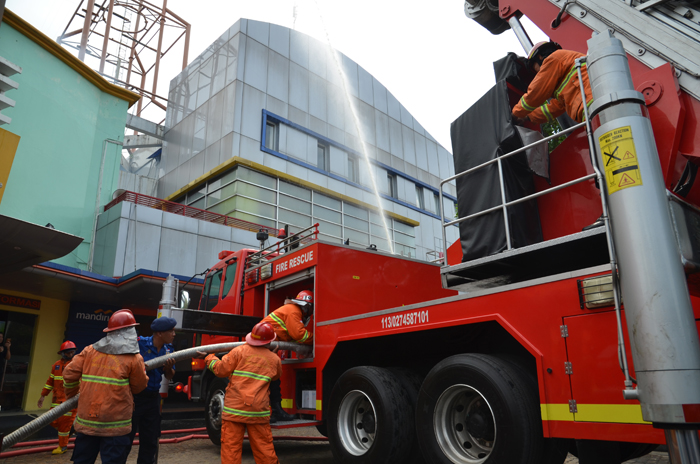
point(55, 385)
point(288, 322)
point(107, 373)
point(251, 368)
point(555, 88)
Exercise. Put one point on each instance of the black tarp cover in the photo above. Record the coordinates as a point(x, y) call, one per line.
point(485, 132)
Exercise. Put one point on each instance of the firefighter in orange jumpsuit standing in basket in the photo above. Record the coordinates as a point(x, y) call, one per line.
point(107, 373)
point(250, 367)
point(55, 383)
point(555, 88)
point(288, 322)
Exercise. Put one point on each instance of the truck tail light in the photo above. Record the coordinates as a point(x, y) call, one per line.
point(178, 387)
point(252, 277)
point(596, 292)
point(198, 364)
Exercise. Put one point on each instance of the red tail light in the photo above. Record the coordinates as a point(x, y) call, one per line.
point(252, 277)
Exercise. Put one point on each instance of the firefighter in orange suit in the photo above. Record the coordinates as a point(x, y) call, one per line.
point(107, 373)
point(555, 88)
point(287, 320)
point(55, 384)
point(251, 368)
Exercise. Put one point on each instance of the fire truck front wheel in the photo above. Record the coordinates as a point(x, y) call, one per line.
point(214, 408)
point(474, 409)
point(369, 418)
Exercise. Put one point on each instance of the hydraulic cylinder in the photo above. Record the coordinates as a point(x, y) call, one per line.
point(659, 315)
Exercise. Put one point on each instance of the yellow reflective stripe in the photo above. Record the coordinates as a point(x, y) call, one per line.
point(605, 413)
point(71, 384)
point(525, 105)
point(568, 78)
point(545, 111)
point(318, 405)
point(58, 377)
point(557, 412)
point(106, 380)
point(238, 412)
point(51, 376)
point(63, 434)
point(279, 321)
point(53, 405)
point(252, 375)
point(305, 337)
point(48, 387)
point(211, 364)
point(103, 425)
point(287, 403)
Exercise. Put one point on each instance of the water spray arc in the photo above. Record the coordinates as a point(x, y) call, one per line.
point(358, 127)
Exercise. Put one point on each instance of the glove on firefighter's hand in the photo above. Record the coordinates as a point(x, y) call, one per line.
point(520, 121)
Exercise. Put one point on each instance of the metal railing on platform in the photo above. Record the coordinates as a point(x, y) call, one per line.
point(188, 211)
point(504, 203)
point(287, 244)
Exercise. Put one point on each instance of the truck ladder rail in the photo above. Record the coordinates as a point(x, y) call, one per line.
point(257, 259)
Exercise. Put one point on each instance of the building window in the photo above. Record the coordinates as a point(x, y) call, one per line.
point(353, 169)
point(393, 185)
point(323, 157)
point(436, 198)
point(272, 136)
point(420, 200)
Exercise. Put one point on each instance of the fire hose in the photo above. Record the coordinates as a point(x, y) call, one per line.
point(45, 419)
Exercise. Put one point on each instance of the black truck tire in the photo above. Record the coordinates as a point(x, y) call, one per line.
point(555, 450)
point(475, 409)
point(214, 408)
point(368, 420)
point(411, 381)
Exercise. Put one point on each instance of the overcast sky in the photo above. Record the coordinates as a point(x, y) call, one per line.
point(435, 60)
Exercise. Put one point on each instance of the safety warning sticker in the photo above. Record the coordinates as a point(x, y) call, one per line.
point(620, 159)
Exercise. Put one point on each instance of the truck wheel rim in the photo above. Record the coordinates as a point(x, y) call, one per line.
point(464, 425)
point(216, 407)
point(357, 423)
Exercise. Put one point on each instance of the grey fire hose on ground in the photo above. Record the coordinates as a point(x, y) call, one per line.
point(45, 419)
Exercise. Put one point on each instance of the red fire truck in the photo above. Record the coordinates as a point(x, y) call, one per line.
point(515, 357)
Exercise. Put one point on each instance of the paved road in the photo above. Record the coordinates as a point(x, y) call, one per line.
point(202, 451)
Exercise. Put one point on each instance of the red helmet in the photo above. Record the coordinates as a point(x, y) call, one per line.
point(262, 334)
point(67, 345)
point(304, 297)
point(120, 320)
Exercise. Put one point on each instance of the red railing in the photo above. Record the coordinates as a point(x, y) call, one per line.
point(188, 211)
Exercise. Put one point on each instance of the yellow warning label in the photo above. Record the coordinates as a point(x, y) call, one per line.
point(620, 159)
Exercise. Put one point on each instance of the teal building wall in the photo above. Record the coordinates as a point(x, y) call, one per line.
point(63, 120)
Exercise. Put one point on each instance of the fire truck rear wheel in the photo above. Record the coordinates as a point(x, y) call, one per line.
point(475, 409)
point(214, 408)
point(369, 418)
point(411, 381)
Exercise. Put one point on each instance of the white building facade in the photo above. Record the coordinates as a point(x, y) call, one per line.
point(273, 127)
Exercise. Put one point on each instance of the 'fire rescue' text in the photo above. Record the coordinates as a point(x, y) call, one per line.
point(401, 320)
point(296, 261)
